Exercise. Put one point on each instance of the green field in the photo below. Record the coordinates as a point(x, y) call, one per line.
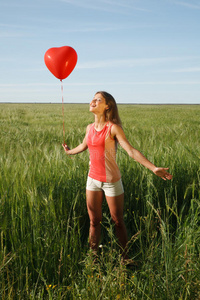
point(43, 218)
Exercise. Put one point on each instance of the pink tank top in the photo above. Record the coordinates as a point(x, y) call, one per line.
point(102, 149)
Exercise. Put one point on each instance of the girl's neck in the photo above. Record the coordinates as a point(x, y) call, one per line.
point(100, 121)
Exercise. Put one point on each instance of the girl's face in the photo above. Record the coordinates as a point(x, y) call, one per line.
point(98, 104)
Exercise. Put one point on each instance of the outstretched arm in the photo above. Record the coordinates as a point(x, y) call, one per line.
point(118, 133)
point(80, 148)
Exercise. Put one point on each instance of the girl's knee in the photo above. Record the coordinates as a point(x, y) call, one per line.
point(95, 222)
point(118, 221)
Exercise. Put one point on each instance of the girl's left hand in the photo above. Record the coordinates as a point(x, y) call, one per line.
point(162, 172)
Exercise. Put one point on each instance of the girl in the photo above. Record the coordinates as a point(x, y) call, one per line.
point(104, 176)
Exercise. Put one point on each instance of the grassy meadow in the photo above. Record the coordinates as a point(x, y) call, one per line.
point(44, 224)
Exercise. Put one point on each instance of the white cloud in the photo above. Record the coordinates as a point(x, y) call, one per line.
point(188, 4)
point(123, 4)
point(104, 5)
point(130, 62)
point(12, 30)
point(100, 28)
point(21, 86)
point(11, 34)
point(187, 70)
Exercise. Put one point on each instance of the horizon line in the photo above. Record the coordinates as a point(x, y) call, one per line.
point(118, 103)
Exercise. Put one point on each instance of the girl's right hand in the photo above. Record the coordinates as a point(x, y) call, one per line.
point(66, 148)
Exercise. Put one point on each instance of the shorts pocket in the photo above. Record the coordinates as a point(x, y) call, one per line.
point(89, 181)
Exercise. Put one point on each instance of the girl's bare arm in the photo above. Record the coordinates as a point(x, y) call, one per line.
point(118, 133)
point(80, 148)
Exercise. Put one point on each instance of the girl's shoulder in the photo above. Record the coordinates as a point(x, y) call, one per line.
point(89, 126)
point(114, 129)
point(114, 126)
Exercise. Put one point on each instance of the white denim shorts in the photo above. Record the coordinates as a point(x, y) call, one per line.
point(111, 189)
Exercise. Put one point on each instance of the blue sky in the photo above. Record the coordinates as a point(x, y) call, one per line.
point(139, 51)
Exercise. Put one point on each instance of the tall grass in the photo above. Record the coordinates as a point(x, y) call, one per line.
point(43, 218)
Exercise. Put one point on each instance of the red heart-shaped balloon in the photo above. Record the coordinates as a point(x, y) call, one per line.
point(61, 61)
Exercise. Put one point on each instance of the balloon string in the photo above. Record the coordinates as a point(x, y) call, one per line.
point(63, 111)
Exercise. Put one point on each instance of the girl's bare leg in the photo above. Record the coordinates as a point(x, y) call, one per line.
point(94, 206)
point(116, 206)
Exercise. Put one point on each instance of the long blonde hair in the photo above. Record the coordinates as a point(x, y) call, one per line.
point(111, 113)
